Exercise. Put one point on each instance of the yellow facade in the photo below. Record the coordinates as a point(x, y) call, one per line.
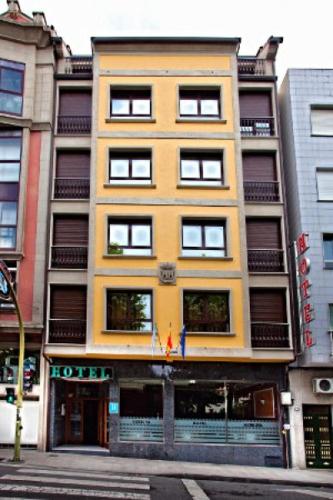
point(166, 202)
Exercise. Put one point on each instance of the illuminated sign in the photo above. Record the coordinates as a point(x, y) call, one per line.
point(81, 372)
point(303, 266)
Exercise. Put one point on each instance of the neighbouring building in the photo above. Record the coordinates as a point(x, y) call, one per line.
point(307, 125)
point(167, 210)
point(27, 62)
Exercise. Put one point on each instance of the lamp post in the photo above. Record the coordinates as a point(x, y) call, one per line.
point(7, 292)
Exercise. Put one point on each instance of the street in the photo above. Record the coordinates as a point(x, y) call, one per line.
point(28, 482)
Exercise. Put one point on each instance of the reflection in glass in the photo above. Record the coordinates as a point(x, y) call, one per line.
point(141, 107)
point(120, 107)
point(211, 169)
point(190, 169)
point(209, 107)
point(141, 168)
point(11, 80)
point(119, 168)
point(188, 107)
point(119, 234)
point(192, 236)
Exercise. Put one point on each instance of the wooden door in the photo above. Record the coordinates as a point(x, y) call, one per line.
point(318, 436)
point(74, 421)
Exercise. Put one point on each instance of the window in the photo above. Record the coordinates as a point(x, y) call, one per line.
point(322, 121)
point(130, 167)
point(203, 103)
point(10, 157)
point(325, 184)
point(129, 310)
point(201, 168)
point(203, 238)
point(330, 308)
point(130, 237)
point(206, 311)
point(12, 268)
point(328, 250)
point(127, 102)
point(11, 87)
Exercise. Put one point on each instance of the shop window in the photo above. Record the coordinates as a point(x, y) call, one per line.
point(199, 103)
point(198, 168)
point(203, 238)
point(130, 102)
point(129, 310)
point(206, 311)
point(6, 305)
point(130, 236)
point(226, 413)
point(10, 158)
point(141, 412)
point(11, 87)
point(9, 359)
point(130, 167)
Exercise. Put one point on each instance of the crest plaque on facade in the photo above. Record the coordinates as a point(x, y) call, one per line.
point(167, 273)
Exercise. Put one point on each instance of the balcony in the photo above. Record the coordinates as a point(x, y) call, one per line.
point(257, 127)
point(270, 335)
point(66, 188)
point(69, 257)
point(251, 66)
point(74, 125)
point(265, 261)
point(261, 192)
point(79, 65)
point(67, 331)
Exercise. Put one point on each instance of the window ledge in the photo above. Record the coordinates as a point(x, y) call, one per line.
point(132, 185)
point(210, 334)
point(62, 269)
point(200, 120)
point(185, 257)
point(126, 332)
point(70, 200)
point(134, 119)
point(325, 201)
point(115, 256)
point(202, 186)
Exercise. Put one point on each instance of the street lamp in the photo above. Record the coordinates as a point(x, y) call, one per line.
point(7, 293)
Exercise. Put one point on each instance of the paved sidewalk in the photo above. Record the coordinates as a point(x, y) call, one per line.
point(74, 461)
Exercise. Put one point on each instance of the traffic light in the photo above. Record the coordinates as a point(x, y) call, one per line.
point(27, 380)
point(10, 395)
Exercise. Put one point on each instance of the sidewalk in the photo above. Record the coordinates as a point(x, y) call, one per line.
point(73, 461)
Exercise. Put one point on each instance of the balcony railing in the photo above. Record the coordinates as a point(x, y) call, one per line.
point(265, 261)
point(251, 66)
point(66, 188)
point(79, 65)
point(259, 127)
point(74, 125)
point(270, 335)
point(69, 257)
point(263, 191)
point(67, 331)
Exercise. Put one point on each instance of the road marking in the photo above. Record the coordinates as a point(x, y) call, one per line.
point(78, 474)
point(73, 492)
point(82, 482)
point(322, 494)
point(194, 490)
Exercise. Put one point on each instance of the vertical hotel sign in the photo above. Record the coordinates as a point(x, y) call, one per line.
point(304, 289)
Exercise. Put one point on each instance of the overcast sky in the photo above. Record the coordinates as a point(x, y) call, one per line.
point(306, 25)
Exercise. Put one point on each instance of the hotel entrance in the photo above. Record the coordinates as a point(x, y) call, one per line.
point(86, 418)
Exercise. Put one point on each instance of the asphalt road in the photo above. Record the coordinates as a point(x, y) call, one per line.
point(37, 483)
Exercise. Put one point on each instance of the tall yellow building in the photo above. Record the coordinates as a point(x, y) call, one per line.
point(181, 317)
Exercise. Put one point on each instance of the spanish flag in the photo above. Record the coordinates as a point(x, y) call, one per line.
point(168, 347)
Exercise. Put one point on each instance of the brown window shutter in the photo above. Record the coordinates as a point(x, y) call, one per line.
point(268, 305)
point(71, 230)
point(75, 103)
point(255, 104)
point(259, 167)
point(73, 164)
point(68, 302)
point(263, 233)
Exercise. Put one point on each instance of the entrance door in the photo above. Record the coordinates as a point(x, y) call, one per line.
point(318, 436)
point(90, 421)
point(74, 422)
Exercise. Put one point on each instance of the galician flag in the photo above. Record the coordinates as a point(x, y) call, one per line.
point(153, 339)
point(183, 341)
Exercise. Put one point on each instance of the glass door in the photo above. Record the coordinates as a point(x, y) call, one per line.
point(74, 421)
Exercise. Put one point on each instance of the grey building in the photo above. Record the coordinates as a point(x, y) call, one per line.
point(306, 104)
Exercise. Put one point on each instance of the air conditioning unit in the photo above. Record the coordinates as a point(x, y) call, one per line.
point(323, 385)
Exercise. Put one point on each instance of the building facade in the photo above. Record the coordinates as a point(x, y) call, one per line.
point(168, 314)
point(27, 64)
point(307, 124)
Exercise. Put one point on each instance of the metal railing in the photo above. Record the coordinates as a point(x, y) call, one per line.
point(263, 191)
point(79, 65)
point(74, 125)
point(67, 331)
point(251, 66)
point(259, 127)
point(265, 261)
point(71, 188)
point(69, 257)
point(270, 335)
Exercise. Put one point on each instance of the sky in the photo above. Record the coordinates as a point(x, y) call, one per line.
point(305, 25)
